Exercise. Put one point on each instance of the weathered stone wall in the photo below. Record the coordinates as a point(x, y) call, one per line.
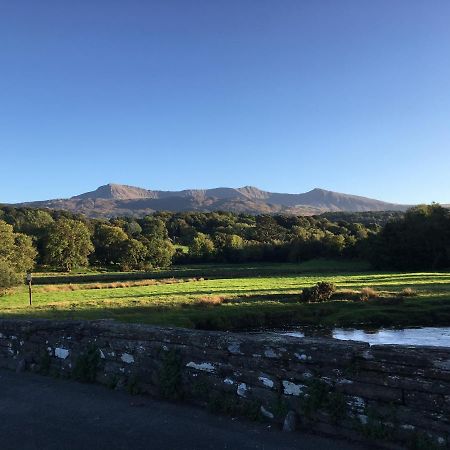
point(385, 393)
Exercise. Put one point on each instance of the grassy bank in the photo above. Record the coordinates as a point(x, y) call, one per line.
point(239, 297)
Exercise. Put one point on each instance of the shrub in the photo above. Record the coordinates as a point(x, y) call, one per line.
point(368, 293)
point(321, 292)
point(8, 277)
point(408, 292)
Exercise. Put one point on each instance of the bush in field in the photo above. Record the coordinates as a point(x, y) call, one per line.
point(368, 293)
point(321, 292)
point(8, 277)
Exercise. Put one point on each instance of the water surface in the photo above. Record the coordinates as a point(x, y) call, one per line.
point(430, 336)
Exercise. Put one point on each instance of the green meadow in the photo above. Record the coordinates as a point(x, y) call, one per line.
point(239, 297)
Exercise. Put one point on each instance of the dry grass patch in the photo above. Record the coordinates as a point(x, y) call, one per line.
point(368, 293)
point(214, 300)
point(408, 292)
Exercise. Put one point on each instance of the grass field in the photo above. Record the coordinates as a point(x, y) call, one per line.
point(238, 297)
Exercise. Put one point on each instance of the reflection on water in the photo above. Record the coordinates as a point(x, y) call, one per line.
point(430, 336)
point(435, 337)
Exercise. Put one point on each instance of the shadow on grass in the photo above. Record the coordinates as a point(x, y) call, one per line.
point(217, 272)
point(256, 312)
point(259, 291)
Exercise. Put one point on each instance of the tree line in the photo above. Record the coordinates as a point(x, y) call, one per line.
point(418, 238)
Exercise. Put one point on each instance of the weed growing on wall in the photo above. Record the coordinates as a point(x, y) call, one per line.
point(420, 441)
point(86, 366)
point(279, 408)
point(133, 385)
point(320, 397)
point(169, 377)
point(375, 428)
point(230, 405)
point(44, 363)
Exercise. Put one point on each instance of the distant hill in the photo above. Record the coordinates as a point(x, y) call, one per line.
point(119, 200)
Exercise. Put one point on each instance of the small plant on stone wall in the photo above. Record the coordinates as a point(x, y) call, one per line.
point(222, 403)
point(421, 441)
point(375, 428)
point(321, 397)
point(336, 406)
point(279, 408)
point(44, 363)
point(112, 382)
point(169, 376)
point(86, 365)
point(251, 409)
point(132, 386)
point(316, 398)
point(234, 406)
point(200, 389)
point(353, 368)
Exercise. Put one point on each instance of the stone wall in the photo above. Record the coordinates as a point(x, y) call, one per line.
point(390, 394)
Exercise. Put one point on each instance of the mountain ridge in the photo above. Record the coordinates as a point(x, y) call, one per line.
point(115, 199)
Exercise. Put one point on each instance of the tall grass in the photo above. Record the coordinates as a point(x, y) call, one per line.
point(113, 285)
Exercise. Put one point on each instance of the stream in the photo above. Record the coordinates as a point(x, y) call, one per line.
point(429, 336)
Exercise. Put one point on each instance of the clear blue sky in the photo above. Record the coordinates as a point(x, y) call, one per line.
point(286, 95)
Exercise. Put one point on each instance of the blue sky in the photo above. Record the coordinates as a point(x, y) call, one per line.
point(351, 96)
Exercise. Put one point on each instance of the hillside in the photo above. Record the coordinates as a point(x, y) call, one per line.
point(118, 200)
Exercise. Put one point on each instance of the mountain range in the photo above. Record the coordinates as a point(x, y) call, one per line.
point(113, 200)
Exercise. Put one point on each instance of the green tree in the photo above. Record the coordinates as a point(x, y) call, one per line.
point(333, 244)
point(109, 243)
point(419, 240)
point(153, 228)
point(267, 229)
point(133, 229)
point(133, 255)
point(17, 255)
point(202, 247)
point(36, 222)
point(181, 231)
point(159, 252)
point(229, 246)
point(69, 244)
